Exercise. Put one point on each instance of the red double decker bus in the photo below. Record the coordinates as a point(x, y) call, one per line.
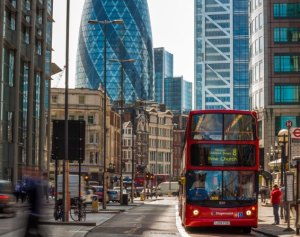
point(219, 183)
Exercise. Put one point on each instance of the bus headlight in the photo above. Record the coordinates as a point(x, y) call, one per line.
point(195, 212)
point(248, 212)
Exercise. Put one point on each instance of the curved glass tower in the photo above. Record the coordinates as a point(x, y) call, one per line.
point(133, 40)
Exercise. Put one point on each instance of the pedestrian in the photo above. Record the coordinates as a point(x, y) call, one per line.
point(45, 187)
point(34, 192)
point(263, 193)
point(275, 200)
point(17, 191)
point(283, 207)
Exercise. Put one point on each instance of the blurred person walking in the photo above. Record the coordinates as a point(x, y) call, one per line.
point(34, 192)
point(275, 200)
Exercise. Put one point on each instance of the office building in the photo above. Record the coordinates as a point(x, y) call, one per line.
point(221, 54)
point(178, 95)
point(274, 72)
point(25, 49)
point(131, 40)
point(163, 67)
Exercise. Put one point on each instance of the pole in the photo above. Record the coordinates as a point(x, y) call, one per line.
point(122, 101)
point(65, 161)
point(104, 122)
point(287, 162)
point(132, 158)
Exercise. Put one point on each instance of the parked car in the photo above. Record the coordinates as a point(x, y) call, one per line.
point(113, 195)
point(98, 190)
point(88, 196)
point(7, 199)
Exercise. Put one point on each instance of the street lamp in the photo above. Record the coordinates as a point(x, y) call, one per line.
point(105, 23)
point(122, 61)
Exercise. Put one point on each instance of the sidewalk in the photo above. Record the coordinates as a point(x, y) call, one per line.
point(265, 220)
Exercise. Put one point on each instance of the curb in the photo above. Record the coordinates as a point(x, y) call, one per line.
point(67, 223)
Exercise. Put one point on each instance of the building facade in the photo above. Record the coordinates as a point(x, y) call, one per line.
point(25, 49)
point(160, 140)
point(178, 95)
point(163, 68)
point(131, 40)
point(87, 105)
point(274, 72)
point(221, 54)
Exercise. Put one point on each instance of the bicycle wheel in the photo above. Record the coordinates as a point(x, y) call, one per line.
point(74, 213)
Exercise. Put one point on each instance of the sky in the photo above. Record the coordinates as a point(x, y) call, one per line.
point(172, 23)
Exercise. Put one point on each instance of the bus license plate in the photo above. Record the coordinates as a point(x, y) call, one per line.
point(221, 222)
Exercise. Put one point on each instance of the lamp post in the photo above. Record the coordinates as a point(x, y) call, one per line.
point(105, 23)
point(122, 61)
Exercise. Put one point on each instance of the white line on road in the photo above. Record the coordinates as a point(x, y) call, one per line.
point(180, 228)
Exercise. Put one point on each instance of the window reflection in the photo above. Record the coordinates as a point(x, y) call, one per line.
point(221, 185)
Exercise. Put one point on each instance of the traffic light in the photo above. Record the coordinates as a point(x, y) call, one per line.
point(148, 176)
point(151, 176)
point(86, 178)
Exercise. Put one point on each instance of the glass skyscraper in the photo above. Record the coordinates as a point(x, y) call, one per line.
point(163, 65)
point(221, 54)
point(133, 40)
point(178, 95)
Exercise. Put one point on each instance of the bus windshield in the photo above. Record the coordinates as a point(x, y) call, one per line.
point(222, 155)
point(221, 188)
point(223, 127)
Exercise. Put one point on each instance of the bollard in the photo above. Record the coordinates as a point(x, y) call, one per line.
point(95, 203)
point(142, 197)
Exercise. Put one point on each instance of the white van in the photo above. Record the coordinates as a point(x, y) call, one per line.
point(166, 188)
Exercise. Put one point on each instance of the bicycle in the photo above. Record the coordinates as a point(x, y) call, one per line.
point(78, 210)
point(58, 210)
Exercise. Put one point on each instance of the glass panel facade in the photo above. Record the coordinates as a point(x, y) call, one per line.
point(286, 94)
point(131, 40)
point(286, 35)
point(221, 55)
point(163, 64)
point(286, 10)
point(286, 63)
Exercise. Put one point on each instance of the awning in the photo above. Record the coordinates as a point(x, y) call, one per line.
point(275, 162)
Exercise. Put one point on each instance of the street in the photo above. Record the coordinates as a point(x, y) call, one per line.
point(150, 218)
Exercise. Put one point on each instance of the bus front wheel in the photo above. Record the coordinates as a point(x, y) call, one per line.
point(247, 230)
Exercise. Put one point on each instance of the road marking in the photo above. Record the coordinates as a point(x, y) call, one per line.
point(180, 228)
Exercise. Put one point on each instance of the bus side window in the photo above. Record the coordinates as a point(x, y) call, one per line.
point(197, 156)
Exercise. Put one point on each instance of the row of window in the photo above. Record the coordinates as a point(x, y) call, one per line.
point(257, 72)
point(286, 10)
point(90, 118)
point(257, 46)
point(81, 99)
point(286, 94)
point(255, 4)
point(287, 35)
point(286, 63)
point(256, 24)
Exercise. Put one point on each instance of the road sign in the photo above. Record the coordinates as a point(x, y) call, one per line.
point(289, 124)
point(295, 134)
